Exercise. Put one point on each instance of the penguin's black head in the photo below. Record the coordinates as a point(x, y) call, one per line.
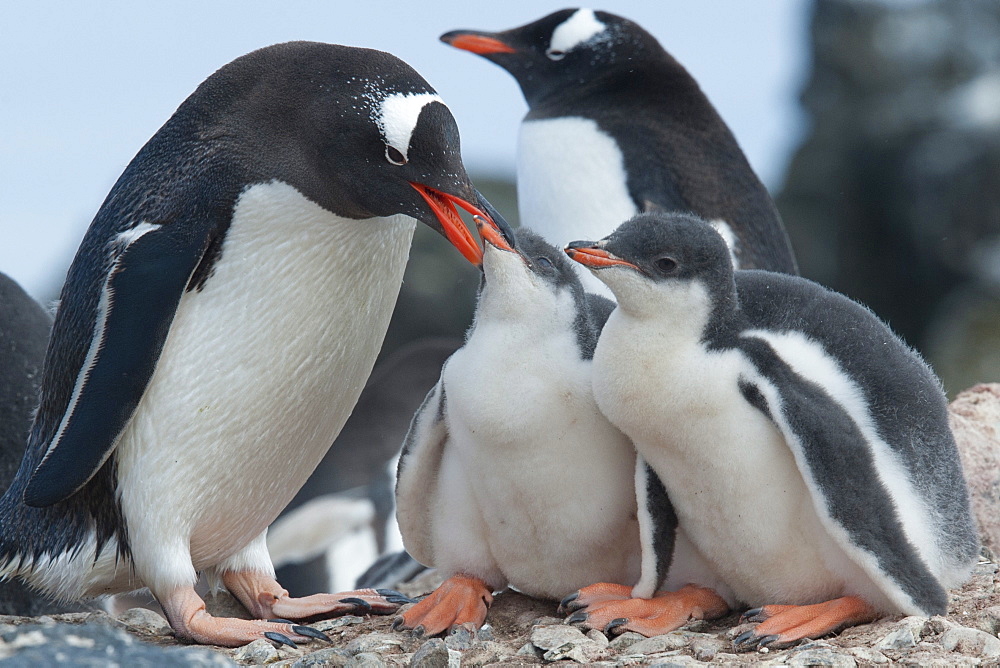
point(563, 50)
point(357, 131)
point(654, 251)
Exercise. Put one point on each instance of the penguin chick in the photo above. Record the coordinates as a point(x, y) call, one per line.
point(616, 126)
point(216, 327)
point(475, 496)
point(804, 447)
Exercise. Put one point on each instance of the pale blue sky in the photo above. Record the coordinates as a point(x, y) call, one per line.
point(84, 84)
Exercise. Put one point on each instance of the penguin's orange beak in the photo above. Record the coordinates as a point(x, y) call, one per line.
point(490, 233)
point(589, 255)
point(454, 230)
point(476, 42)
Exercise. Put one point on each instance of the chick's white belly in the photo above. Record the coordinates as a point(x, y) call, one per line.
point(542, 480)
point(259, 372)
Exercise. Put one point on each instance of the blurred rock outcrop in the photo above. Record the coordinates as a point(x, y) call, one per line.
point(894, 196)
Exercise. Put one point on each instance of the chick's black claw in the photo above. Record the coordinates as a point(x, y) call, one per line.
point(614, 624)
point(750, 614)
point(391, 594)
point(310, 632)
point(566, 602)
point(766, 640)
point(418, 631)
point(281, 621)
point(576, 618)
point(358, 603)
point(743, 639)
point(396, 623)
point(279, 638)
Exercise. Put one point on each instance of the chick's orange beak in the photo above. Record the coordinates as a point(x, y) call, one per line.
point(595, 258)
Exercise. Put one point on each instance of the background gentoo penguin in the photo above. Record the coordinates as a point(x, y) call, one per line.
point(475, 495)
point(616, 126)
point(217, 325)
point(804, 447)
point(24, 332)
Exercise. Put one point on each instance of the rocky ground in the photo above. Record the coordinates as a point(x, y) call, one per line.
point(520, 631)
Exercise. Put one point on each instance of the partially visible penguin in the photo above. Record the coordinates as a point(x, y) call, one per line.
point(804, 448)
point(24, 332)
point(510, 475)
point(216, 327)
point(616, 126)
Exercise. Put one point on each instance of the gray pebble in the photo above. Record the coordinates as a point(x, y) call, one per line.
point(598, 637)
point(258, 653)
point(903, 638)
point(367, 660)
point(821, 656)
point(142, 619)
point(548, 637)
point(375, 642)
point(989, 620)
point(663, 643)
point(325, 658)
point(337, 622)
point(460, 638)
point(706, 649)
point(867, 655)
point(626, 640)
point(432, 654)
point(528, 649)
point(971, 641)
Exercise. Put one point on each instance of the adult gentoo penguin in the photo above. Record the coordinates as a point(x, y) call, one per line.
point(804, 447)
point(217, 325)
point(475, 496)
point(616, 126)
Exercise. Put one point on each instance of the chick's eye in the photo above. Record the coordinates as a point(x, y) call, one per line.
point(393, 155)
point(666, 265)
point(555, 54)
point(544, 262)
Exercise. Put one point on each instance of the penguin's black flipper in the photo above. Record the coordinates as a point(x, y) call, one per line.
point(151, 267)
point(845, 464)
point(417, 474)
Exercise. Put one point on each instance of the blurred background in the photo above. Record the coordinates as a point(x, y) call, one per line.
point(874, 123)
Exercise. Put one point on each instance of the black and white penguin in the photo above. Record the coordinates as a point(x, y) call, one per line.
point(616, 126)
point(475, 496)
point(804, 447)
point(217, 325)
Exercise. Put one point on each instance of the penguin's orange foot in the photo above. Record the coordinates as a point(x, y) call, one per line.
point(781, 625)
point(460, 600)
point(602, 592)
point(186, 613)
point(651, 616)
point(265, 598)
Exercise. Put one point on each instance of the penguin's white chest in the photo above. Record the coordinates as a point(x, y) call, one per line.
point(259, 371)
point(571, 183)
point(735, 485)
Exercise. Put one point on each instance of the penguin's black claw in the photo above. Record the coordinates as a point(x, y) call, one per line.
point(397, 622)
point(358, 603)
point(418, 631)
point(564, 605)
point(614, 624)
point(279, 638)
point(751, 615)
point(744, 639)
point(393, 596)
point(310, 632)
point(767, 640)
point(281, 621)
point(576, 618)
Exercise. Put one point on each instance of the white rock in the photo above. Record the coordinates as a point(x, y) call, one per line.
point(258, 653)
point(146, 620)
point(970, 641)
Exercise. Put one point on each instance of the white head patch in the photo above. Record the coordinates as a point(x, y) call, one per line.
point(575, 30)
point(396, 117)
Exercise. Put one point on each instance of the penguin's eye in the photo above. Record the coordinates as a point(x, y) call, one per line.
point(544, 262)
point(393, 155)
point(555, 54)
point(666, 265)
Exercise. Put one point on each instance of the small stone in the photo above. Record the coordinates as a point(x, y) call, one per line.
point(485, 633)
point(706, 649)
point(598, 637)
point(460, 638)
point(568, 652)
point(376, 642)
point(432, 654)
point(662, 643)
point(626, 640)
point(899, 639)
point(258, 653)
point(529, 649)
point(557, 635)
point(367, 660)
point(936, 625)
point(142, 619)
point(337, 622)
point(867, 655)
point(988, 620)
point(821, 656)
point(970, 641)
point(330, 657)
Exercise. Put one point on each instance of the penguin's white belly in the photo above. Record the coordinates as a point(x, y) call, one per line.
point(734, 483)
point(259, 372)
point(571, 184)
point(543, 482)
